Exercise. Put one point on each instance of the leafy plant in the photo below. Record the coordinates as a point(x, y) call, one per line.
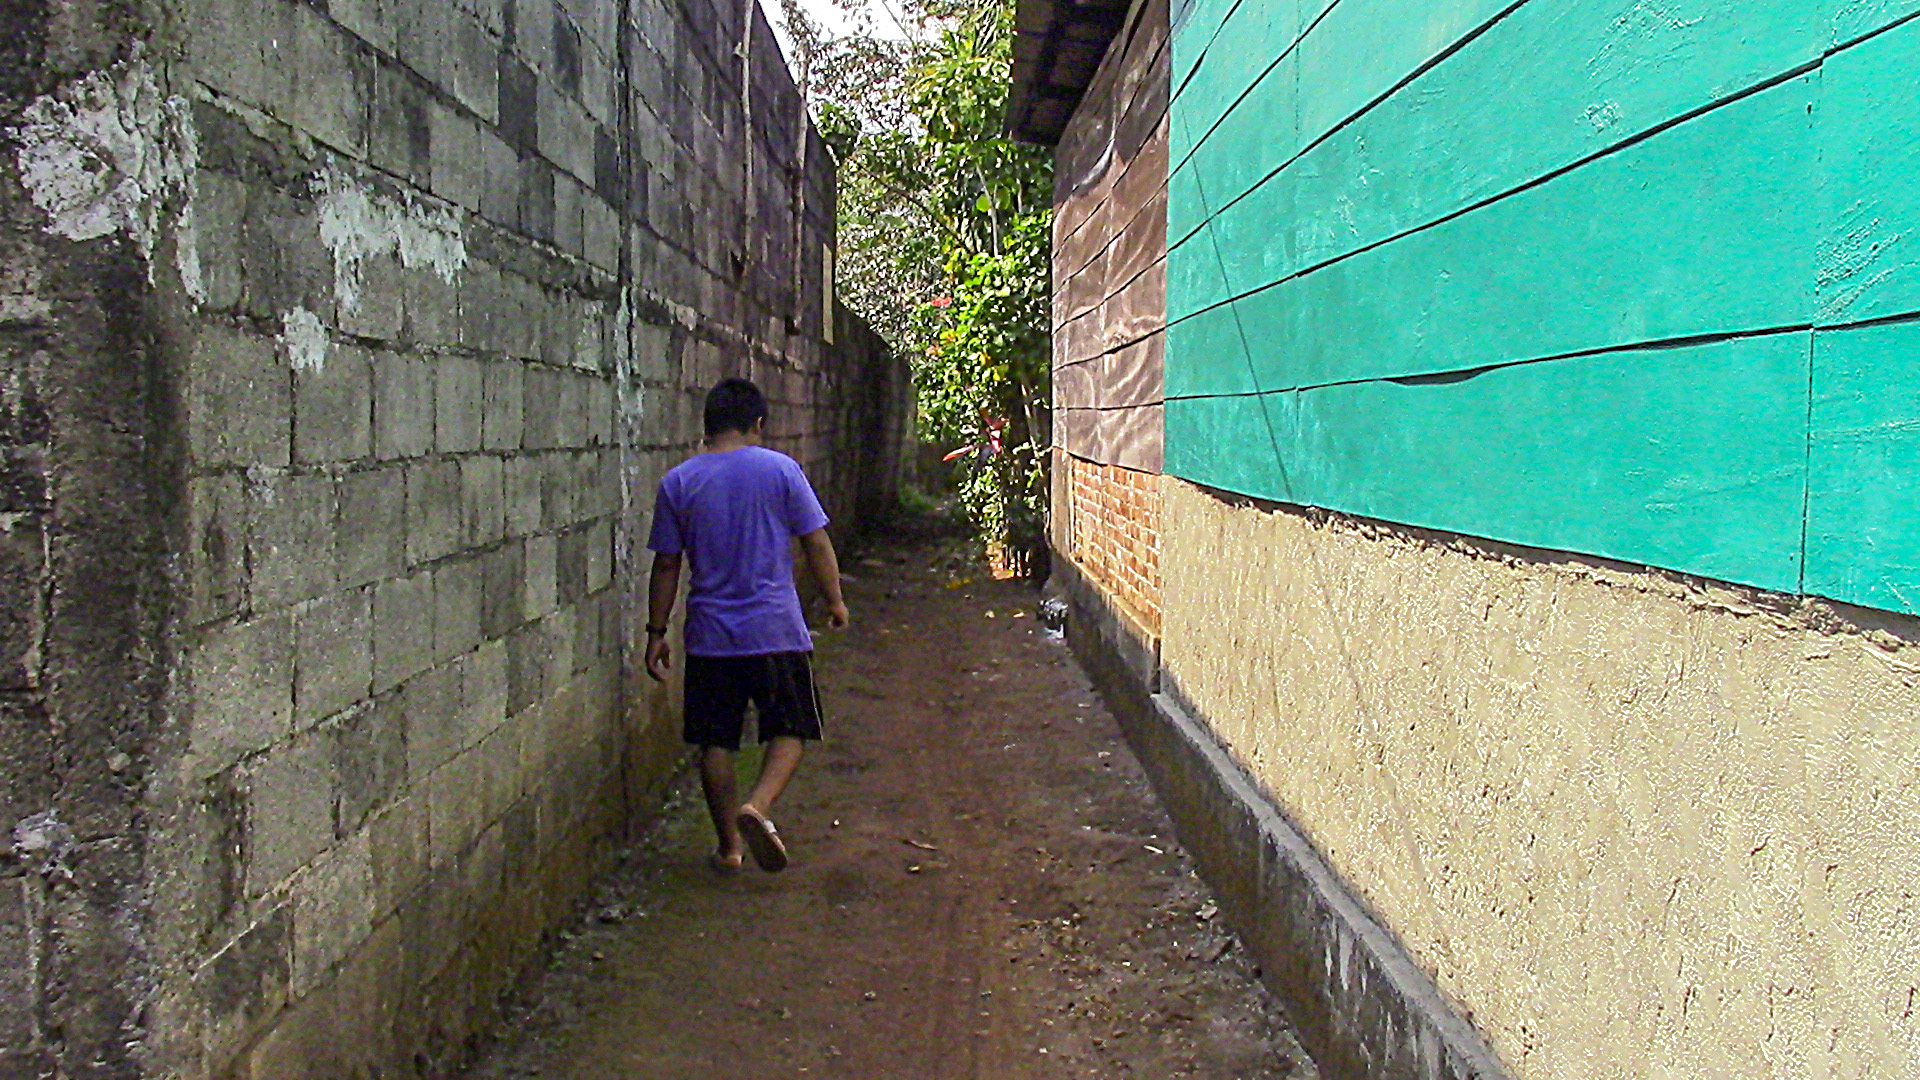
point(944, 232)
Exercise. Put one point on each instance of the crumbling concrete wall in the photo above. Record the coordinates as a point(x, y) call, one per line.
point(342, 344)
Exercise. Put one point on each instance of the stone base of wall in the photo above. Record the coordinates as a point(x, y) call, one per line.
point(1362, 1006)
point(1120, 655)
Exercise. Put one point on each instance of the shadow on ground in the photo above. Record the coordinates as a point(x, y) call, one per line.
point(983, 887)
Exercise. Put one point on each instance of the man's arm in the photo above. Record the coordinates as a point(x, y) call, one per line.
point(663, 587)
point(824, 566)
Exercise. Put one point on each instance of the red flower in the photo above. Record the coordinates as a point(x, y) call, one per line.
point(943, 301)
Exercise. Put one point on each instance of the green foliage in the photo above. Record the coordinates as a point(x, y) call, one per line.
point(944, 230)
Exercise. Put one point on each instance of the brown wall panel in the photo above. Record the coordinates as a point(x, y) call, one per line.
point(1109, 259)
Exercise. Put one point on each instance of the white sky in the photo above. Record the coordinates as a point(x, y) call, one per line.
point(873, 13)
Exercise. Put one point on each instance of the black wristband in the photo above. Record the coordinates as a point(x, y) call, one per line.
point(656, 630)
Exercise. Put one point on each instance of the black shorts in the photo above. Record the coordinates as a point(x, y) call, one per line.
point(780, 685)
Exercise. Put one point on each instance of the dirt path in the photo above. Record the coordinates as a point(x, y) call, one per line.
point(983, 887)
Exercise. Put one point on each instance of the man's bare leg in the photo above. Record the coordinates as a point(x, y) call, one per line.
point(718, 784)
point(759, 835)
point(776, 770)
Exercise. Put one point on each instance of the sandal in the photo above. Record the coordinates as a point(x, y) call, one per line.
point(762, 840)
point(722, 865)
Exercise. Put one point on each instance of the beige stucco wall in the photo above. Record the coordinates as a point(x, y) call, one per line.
point(1635, 826)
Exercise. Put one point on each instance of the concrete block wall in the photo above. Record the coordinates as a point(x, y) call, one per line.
point(343, 343)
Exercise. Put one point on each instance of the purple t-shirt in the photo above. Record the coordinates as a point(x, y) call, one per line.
point(735, 514)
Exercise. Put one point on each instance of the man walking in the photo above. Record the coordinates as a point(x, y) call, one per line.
point(733, 511)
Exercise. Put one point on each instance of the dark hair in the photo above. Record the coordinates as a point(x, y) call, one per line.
point(734, 405)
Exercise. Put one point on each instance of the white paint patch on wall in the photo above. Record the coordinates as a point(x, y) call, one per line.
point(305, 339)
point(106, 153)
point(358, 223)
point(186, 250)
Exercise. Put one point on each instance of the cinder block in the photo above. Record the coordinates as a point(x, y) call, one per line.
point(290, 810)
point(504, 406)
point(242, 678)
point(333, 408)
point(474, 65)
point(599, 556)
point(491, 14)
point(482, 499)
point(569, 235)
point(501, 590)
point(539, 588)
point(534, 211)
point(291, 548)
point(216, 548)
point(402, 406)
point(500, 776)
point(398, 839)
point(373, 525)
point(602, 225)
point(591, 327)
point(369, 762)
point(435, 722)
point(604, 491)
point(455, 802)
point(245, 983)
point(458, 404)
point(433, 510)
point(239, 401)
point(562, 630)
point(402, 629)
point(570, 567)
point(484, 688)
point(333, 654)
point(332, 911)
point(219, 214)
point(375, 310)
point(523, 482)
point(571, 429)
point(519, 82)
point(459, 158)
point(286, 265)
point(431, 306)
point(333, 81)
point(613, 620)
point(529, 655)
point(369, 20)
point(423, 38)
point(559, 489)
point(500, 193)
point(456, 608)
point(587, 628)
point(522, 314)
point(242, 47)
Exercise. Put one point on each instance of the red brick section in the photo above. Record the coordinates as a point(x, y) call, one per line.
point(1113, 532)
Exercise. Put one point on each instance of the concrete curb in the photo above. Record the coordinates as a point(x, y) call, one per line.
point(1362, 1005)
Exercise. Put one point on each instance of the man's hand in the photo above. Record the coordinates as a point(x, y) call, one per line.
point(824, 565)
point(659, 657)
point(662, 583)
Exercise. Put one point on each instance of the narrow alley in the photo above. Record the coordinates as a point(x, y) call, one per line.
point(983, 886)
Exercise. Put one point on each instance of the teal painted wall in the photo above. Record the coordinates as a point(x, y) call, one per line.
point(1633, 279)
